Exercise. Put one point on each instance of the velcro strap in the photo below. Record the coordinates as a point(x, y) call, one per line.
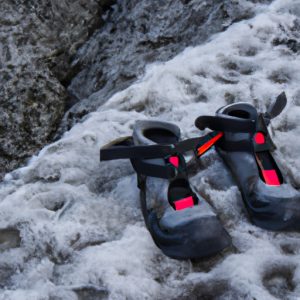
point(124, 148)
point(248, 145)
point(232, 146)
point(259, 141)
point(187, 145)
point(226, 123)
point(148, 168)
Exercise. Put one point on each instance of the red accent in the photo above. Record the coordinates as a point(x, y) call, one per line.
point(174, 160)
point(259, 138)
point(184, 203)
point(271, 177)
point(202, 149)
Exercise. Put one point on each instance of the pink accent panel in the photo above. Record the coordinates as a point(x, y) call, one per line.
point(259, 138)
point(174, 160)
point(184, 203)
point(271, 177)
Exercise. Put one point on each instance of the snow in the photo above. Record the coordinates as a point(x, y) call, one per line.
point(80, 223)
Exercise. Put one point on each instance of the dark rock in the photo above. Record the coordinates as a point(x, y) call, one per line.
point(38, 40)
point(39, 58)
point(279, 281)
point(9, 238)
point(137, 33)
point(292, 44)
point(214, 289)
point(6, 272)
point(91, 293)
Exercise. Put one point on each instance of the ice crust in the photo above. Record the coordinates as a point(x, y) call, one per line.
point(81, 229)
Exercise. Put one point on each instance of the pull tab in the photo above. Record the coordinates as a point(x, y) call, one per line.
point(277, 107)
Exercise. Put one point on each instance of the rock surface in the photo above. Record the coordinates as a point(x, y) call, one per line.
point(43, 75)
point(138, 33)
point(38, 40)
point(71, 227)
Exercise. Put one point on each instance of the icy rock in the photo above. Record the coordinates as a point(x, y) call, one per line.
point(138, 33)
point(80, 221)
point(9, 238)
point(37, 41)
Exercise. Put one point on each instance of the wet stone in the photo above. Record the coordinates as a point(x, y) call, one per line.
point(91, 293)
point(9, 238)
point(279, 281)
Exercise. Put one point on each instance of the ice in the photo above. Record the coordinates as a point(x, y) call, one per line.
point(82, 233)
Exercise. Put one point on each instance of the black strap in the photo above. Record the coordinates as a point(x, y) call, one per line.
point(233, 124)
point(240, 146)
point(122, 152)
point(225, 123)
point(147, 159)
point(148, 168)
point(187, 145)
point(124, 148)
point(248, 143)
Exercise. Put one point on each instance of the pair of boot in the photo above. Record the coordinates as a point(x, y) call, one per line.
point(181, 222)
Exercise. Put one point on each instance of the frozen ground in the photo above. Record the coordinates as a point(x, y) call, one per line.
point(71, 226)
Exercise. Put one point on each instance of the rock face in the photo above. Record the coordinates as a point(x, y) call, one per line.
point(43, 75)
point(138, 33)
point(37, 42)
point(71, 227)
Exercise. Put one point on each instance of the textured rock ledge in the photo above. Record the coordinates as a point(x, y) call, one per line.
point(138, 33)
point(37, 42)
point(39, 58)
